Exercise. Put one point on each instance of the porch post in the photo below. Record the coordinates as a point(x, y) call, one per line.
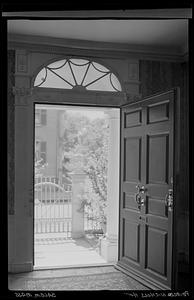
point(77, 228)
point(109, 244)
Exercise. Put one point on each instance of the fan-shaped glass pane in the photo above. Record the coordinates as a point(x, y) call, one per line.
point(57, 64)
point(102, 85)
point(40, 78)
point(99, 67)
point(79, 72)
point(65, 72)
point(79, 62)
point(92, 75)
point(116, 84)
point(53, 81)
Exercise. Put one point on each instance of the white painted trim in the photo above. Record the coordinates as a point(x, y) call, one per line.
point(92, 49)
point(101, 98)
point(73, 266)
point(90, 45)
point(96, 53)
point(122, 13)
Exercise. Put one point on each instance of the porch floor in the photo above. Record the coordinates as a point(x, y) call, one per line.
point(54, 250)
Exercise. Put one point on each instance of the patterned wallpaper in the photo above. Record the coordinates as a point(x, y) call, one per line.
point(184, 133)
point(157, 76)
point(10, 123)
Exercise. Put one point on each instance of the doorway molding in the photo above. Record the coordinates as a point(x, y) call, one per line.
point(20, 225)
point(25, 99)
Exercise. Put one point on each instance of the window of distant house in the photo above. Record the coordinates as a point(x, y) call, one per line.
point(79, 74)
point(40, 151)
point(40, 117)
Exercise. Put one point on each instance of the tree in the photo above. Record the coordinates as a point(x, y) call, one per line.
point(96, 163)
point(65, 169)
point(88, 140)
point(71, 125)
point(39, 166)
point(97, 160)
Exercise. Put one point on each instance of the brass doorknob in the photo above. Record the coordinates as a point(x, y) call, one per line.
point(141, 189)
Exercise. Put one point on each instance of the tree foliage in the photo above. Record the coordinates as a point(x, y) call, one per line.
point(85, 147)
point(39, 167)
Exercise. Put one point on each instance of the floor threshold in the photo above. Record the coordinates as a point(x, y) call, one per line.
point(73, 266)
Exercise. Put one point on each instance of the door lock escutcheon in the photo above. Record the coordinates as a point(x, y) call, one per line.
point(138, 199)
point(169, 200)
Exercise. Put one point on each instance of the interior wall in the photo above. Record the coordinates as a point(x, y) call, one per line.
point(155, 77)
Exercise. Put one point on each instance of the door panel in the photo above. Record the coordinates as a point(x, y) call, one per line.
point(133, 118)
point(158, 112)
point(156, 243)
point(157, 155)
point(132, 156)
point(129, 202)
point(147, 162)
point(131, 232)
point(156, 207)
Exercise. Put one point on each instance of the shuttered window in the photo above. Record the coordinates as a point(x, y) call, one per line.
point(40, 117)
point(43, 151)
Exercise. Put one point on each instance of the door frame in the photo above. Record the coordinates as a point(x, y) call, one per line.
point(50, 96)
point(24, 107)
point(176, 170)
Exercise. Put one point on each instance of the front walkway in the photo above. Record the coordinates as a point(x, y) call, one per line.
point(56, 251)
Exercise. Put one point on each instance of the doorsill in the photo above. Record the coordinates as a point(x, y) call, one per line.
point(36, 268)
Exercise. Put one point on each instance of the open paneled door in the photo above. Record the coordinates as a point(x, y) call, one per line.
point(146, 189)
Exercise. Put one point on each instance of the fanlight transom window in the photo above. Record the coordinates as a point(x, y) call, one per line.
point(77, 74)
